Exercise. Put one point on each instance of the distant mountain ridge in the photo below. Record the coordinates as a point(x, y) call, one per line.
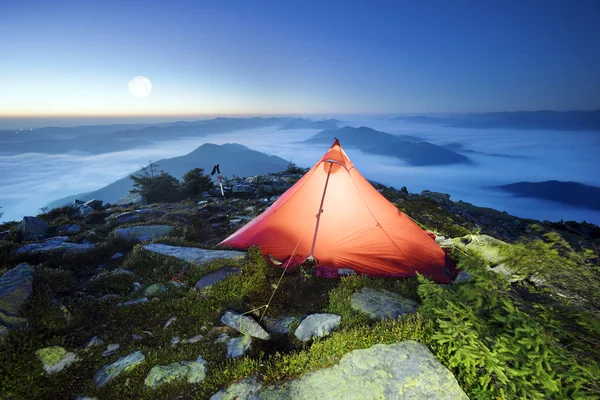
point(551, 120)
point(408, 148)
point(234, 159)
point(303, 123)
point(572, 193)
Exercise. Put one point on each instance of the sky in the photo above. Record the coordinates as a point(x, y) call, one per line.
point(76, 57)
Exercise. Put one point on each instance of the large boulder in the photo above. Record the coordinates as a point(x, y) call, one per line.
point(215, 276)
point(404, 370)
point(126, 217)
point(56, 244)
point(244, 324)
point(111, 371)
point(317, 325)
point(192, 371)
point(32, 226)
point(143, 233)
point(193, 254)
point(55, 358)
point(382, 304)
point(15, 288)
point(132, 198)
point(94, 204)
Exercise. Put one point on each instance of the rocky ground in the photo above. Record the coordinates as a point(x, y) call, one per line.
point(135, 301)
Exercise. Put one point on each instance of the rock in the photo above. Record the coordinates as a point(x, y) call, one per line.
point(238, 346)
point(317, 325)
point(281, 325)
point(86, 398)
point(507, 272)
point(57, 244)
point(169, 322)
point(63, 310)
point(193, 254)
point(68, 229)
point(444, 242)
point(116, 255)
point(440, 198)
point(143, 233)
point(111, 371)
point(382, 304)
point(155, 289)
point(111, 349)
point(192, 371)
point(244, 324)
point(133, 301)
point(215, 276)
point(175, 341)
point(484, 245)
point(405, 370)
point(94, 204)
point(95, 341)
point(15, 288)
point(194, 339)
point(12, 322)
point(245, 389)
point(136, 286)
point(135, 336)
point(222, 338)
point(463, 276)
point(32, 226)
point(56, 358)
point(85, 210)
point(109, 297)
point(132, 198)
point(126, 217)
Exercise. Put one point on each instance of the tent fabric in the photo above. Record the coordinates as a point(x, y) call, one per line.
point(357, 228)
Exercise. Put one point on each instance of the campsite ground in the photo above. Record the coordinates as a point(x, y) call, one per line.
point(533, 331)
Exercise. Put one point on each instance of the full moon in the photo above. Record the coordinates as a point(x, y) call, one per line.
point(140, 87)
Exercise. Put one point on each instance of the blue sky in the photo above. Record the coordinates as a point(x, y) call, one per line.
point(75, 57)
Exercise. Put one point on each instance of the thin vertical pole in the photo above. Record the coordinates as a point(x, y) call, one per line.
point(320, 211)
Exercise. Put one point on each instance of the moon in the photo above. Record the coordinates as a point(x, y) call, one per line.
point(140, 87)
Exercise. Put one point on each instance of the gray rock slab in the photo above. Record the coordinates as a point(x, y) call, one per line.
point(192, 371)
point(15, 288)
point(281, 325)
point(317, 325)
point(132, 302)
point(67, 229)
point(55, 358)
point(143, 233)
point(244, 324)
point(382, 304)
point(131, 198)
point(111, 349)
point(404, 370)
point(215, 276)
point(238, 346)
point(193, 254)
point(32, 226)
point(111, 371)
point(58, 244)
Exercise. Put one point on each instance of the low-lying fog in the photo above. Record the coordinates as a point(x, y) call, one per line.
point(501, 156)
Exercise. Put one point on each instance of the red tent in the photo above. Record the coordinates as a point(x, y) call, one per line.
point(356, 228)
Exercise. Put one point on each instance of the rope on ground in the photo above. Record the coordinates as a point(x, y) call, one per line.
point(266, 306)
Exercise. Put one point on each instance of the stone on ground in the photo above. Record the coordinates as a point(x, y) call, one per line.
point(132, 198)
point(95, 341)
point(155, 289)
point(143, 233)
point(111, 371)
point(192, 371)
point(404, 370)
point(280, 325)
point(215, 276)
point(132, 302)
point(15, 288)
point(382, 304)
point(111, 349)
point(238, 346)
point(244, 324)
point(55, 358)
point(57, 244)
point(317, 325)
point(193, 254)
point(486, 246)
point(32, 226)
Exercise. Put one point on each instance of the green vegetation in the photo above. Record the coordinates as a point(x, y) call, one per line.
point(537, 337)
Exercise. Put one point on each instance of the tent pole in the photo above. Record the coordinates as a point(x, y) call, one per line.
point(312, 249)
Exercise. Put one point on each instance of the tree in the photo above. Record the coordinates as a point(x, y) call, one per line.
point(156, 186)
point(195, 182)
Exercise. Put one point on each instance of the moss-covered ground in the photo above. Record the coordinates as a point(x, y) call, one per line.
point(500, 340)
